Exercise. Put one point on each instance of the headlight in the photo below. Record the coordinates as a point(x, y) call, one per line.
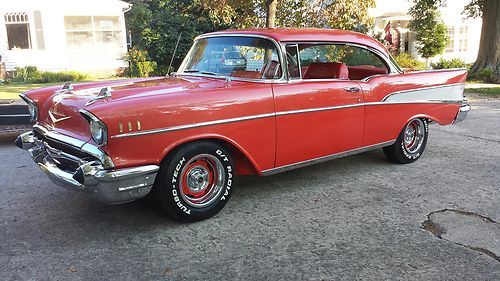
point(32, 108)
point(98, 129)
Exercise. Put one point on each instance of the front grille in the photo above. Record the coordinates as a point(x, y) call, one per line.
point(69, 165)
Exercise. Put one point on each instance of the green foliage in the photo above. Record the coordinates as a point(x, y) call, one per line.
point(139, 63)
point(31, 74)
point(155, 26)
point(486, 75)
point(404, 60)
point(431, 32)
point(342, 14)
point(451, 63)
point(474, 9)
point(488, 92)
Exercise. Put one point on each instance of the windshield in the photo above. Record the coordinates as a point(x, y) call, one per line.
point(233, 56)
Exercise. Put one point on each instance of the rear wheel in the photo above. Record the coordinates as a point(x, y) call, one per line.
point(410, 144)
point(195, 182)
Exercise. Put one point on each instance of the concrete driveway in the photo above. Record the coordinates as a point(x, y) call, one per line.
point(354, 218)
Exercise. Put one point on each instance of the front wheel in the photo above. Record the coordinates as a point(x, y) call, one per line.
point(410, 144)
point(196, 181)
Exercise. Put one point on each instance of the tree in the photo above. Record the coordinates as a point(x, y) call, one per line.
point(431, 32)
point(342, 14)
point(156, 25)
point(488, 57)
point(271, 13)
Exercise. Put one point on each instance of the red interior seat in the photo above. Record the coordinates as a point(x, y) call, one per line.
point(327, 70)
point(362, 71)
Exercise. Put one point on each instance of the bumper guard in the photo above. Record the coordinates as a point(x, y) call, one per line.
point(111, 186)
point(462, 113)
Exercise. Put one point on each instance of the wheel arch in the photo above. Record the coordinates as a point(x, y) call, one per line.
point(429, 118)
point(245, 164)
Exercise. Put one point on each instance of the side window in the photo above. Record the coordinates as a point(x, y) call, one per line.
point(335, 61)
point(292, 60)
point(363, 63)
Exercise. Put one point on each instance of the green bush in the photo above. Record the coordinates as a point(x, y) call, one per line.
point(31, 74)
point(452, 63)
point(404, 60)
point(486, 75)
point(139, 63)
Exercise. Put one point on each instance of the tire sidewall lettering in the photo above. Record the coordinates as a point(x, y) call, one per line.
point(176, 174)
point(413, 156)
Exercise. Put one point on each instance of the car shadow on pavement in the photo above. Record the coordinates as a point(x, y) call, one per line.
point(71, 216)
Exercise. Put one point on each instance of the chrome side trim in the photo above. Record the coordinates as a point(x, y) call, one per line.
point(195, 125)
point(281, 113)
point(325, 158)
point(437, 70)
point(454, 92)
point(266, 115)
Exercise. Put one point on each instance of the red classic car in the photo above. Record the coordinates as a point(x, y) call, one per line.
point(303, 96)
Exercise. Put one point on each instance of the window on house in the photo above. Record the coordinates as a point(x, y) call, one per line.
point(451, 43)
point(18, 30)
point(79, 31)
point(107, 30)
point(462, 43)
point(83, 31)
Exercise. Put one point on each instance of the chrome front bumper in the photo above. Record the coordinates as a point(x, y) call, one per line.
point(462, 113)
point(107, 185)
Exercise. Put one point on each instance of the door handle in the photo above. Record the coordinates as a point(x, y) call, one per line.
point(352, 89)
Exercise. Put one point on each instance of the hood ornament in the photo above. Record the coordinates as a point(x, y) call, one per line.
point(104, 93)
point(59, 94)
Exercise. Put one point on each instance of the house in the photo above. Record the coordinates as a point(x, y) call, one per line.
point(464, 33)
point(54, 35)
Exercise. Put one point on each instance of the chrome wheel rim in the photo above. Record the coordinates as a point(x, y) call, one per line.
point(202, 180)
point(414, 134)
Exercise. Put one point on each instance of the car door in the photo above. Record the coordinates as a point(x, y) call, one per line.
point(319, 111)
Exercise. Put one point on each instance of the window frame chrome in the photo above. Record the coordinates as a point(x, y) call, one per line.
point(279, 50)
point(392, 67)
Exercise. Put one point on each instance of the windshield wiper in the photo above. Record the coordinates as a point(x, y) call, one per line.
point(201, 72)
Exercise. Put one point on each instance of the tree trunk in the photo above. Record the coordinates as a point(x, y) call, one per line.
point(271, 13)
point(489, 46)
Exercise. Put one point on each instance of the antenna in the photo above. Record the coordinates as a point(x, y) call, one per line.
point(173, 55)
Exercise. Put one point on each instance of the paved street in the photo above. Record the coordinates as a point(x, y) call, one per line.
point(354, 218)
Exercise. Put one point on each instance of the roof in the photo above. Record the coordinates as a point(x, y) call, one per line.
point(310, 34)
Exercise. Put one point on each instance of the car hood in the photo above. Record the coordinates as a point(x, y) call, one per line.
point(61, 112)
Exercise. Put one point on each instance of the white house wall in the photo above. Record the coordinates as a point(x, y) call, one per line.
point(57, 55)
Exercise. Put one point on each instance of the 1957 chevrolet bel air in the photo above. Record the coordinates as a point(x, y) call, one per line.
point(291, 97)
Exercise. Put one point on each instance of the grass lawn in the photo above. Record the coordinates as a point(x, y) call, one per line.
point(488, 92)
point(12, 91)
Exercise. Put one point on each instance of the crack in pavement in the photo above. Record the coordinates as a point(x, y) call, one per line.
point(467, 229)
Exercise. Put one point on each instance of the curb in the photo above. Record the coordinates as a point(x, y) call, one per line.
point(10, 133)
